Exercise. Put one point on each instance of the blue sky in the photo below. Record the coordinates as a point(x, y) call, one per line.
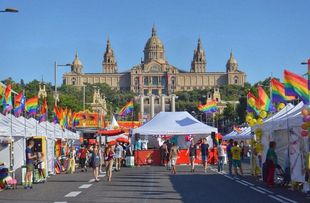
point(265, 36)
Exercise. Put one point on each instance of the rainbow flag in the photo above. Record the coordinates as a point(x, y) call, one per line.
point(75, 119)
point(253, 107)
point(19, 103)
point(265, 103)
point(7, 99)
point(296, 85)
point(31, 106)
point(56, 115)
point(209, 107)
point(278, 93)
point(44, 109)
point(128, 108)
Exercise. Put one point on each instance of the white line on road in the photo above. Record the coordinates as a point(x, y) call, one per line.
point(103, 172)
point(257, 190)
point(246, 182)
point(101, 176)
point(60, 202)
point(85, 186)
point(276, 198)
point(91, 180)
point(287, 199)
point(73, 194)
point(229, 177)
point(241, 183)
point(263, 189)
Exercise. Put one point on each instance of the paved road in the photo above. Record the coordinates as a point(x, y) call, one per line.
point(152, 184)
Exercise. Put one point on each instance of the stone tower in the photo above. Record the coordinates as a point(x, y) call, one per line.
point(154, 49)
point(232, 64)
point(109, 64)
point(77, 65)
point(199, 59)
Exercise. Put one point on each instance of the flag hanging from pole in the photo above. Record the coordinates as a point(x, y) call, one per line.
point(278, 92)
point(43, 116)
point(253, 103)
point(7, 100)
point(296, 85)
point(265, 102)
point(19, 104)
point(31, 106)
point(128, 108)
point(209, 107)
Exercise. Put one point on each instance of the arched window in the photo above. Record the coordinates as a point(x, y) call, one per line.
point(236, 80)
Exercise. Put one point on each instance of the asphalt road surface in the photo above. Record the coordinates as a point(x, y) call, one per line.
point(152, 184)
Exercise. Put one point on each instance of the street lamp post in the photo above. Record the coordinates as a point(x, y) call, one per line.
point(55, 79)
point(9, 10)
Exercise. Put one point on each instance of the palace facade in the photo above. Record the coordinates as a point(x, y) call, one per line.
point(154, 75)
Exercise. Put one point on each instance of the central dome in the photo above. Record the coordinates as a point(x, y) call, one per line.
point(154, 48)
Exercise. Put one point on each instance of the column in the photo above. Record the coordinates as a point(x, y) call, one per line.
point(152, 106)
point(162, 103)
point(141, 105)
point(173, 103)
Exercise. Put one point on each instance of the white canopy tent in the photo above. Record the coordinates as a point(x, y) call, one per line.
point(245, 134)
point(174, 123)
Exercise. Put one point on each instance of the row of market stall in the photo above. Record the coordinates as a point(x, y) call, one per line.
point(14, 132)
point(292, 145)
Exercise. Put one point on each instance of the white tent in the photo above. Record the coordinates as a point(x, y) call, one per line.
point(243, 135)
point(174, 123)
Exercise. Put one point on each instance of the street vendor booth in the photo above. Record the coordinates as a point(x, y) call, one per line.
point(176, 126)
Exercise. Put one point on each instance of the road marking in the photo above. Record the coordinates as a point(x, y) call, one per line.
point(246, 182)
point(241, 183)
point(287, 199)
point(73, 194)
point(101, 176)
point(229, 177)
point(60, 202)
point(276, 198)
point(85, 186)
point(103, 172)
point(257, 190)
point(91, 180)
point(263, 189)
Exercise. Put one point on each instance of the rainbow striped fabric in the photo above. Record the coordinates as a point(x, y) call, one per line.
point(265, 103)
point(278, 93)
point(128, 108)
point(252, 107)
point(7, 99)
point(43, 115)
point(209, 107)
point(31, 106)
point(19, 104)
point(296, 85)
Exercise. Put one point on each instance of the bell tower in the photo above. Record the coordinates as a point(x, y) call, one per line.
point(109, 64)
point(199, 59)
point(232, 64)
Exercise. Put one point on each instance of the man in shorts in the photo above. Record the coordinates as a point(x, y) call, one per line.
point(174, 152)
point(204, 148)
point(236, 158)
point(29, 164)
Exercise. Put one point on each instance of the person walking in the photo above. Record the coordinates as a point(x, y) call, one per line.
point(229, 155)
point(221, 156)
point(169, 145)
point(236, 158)
point(118, 156)
point(174, 152)
point(272, 162)
point(95, 162)
point(204, 149)
point(83, 155)
point(192, 154)
point(163, 154)
point(41, 165)
point(72, 154)
point(29, 164)
point(108, 157)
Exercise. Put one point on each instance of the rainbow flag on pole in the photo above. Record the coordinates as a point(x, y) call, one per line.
point(209, 107)
point(43, 115)
point(265, 102)
point(31, 106)
point(128, 108)
point(253, 103)
point(19, 103)
point(7, 99)
point(296, 85)
point(278, 92)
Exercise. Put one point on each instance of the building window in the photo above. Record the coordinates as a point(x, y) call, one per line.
point(146, 92)
point(155, 91)
point(155, 80)
point(163, 80)
point(136, 81)
point(146, 80)
point(236, 79)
